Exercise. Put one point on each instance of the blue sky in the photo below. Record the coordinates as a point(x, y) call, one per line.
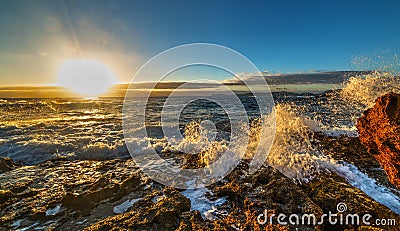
point(36, 37)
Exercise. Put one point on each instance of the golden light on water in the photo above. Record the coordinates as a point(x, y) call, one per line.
point(86, 77)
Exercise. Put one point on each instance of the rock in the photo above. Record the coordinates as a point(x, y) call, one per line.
point(64, 193)
point(351, 150)
point(5, 195)
point(329, 189)
point(249, 196)
point(162, 215)
point(193, 221)
point(379, 130)
point(6, 164)
point(101, 189)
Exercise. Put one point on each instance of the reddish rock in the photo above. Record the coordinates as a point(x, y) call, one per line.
point(379, 130)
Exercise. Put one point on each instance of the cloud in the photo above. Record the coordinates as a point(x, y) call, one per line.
point(309, 77)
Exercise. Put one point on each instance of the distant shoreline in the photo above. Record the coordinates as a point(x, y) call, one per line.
point(315, 82)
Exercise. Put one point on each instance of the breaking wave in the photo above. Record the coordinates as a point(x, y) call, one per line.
point(362, 91)
point(294, 155)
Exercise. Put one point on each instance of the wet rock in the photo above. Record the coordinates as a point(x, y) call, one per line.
point(162, 215)
point(379, 130)
point(351, 150)
point(6, 164)
point(60, 193)
point(249, 196)
point(328, 189)
point(193, 221)
point(100, 190)
point(5, 195)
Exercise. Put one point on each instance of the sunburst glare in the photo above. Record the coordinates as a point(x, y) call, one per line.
point(86, 77)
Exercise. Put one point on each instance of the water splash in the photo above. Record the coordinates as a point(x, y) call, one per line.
point(362, 91)
point(294, 155)
point(292, 152)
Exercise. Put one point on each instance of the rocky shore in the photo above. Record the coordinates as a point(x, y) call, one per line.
point(115, 195)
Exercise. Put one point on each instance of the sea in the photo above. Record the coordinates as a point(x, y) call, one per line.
point(34, 130)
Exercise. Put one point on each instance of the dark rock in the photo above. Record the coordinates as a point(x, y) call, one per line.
point(193, 221)
point(163, 215)
point(61, 193)
point(329, 189)
point(379, 130)
point(101, 189)
point(250, 195)
point(5, 195)
point(269, 189)
point(6, 164)
point(351, 150)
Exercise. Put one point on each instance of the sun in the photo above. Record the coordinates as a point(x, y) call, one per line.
point(85, 77)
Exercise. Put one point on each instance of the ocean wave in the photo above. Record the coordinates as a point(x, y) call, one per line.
point(294, 155)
